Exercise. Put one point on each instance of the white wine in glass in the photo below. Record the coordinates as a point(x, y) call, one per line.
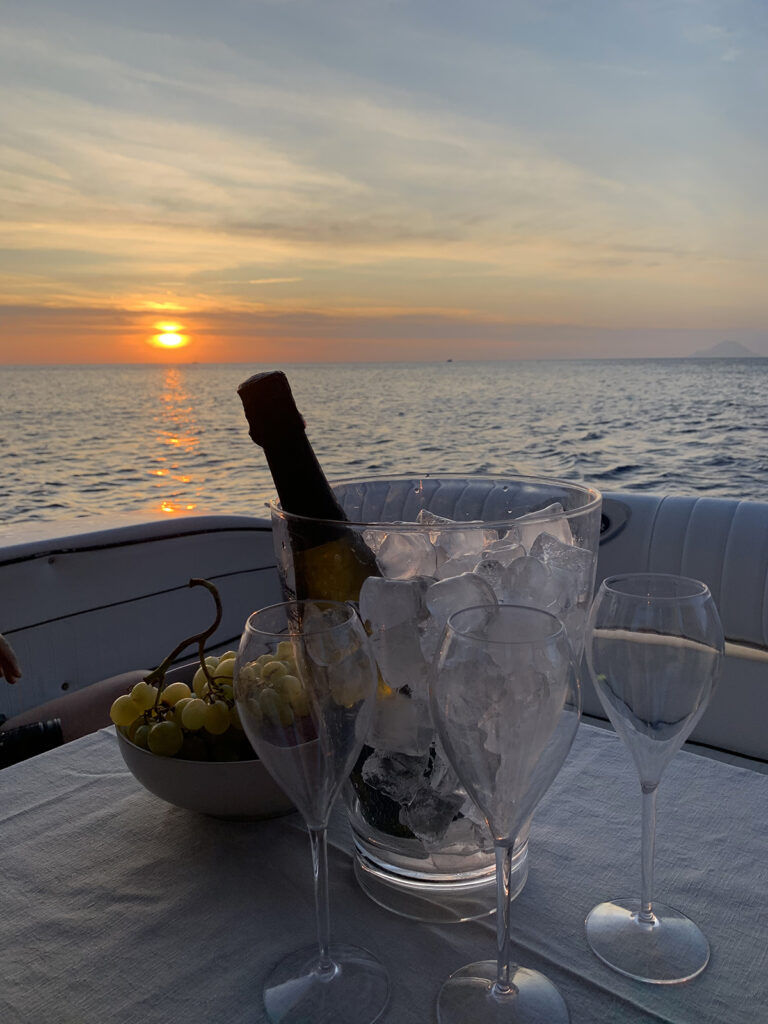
point(654, 648)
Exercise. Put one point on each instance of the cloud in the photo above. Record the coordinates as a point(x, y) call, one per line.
point(500, 163)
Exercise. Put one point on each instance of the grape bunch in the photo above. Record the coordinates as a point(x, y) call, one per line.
point(273, 693)
point(274, 697)
point(199, 723)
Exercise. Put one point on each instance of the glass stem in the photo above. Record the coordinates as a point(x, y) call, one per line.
point(318, 838)
point(503, 906)
point(647, 852)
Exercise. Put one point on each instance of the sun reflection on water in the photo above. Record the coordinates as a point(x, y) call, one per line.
point(178, 430)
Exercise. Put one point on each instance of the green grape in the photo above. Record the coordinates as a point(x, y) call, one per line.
point(227, 693)
point(225, 669)
point(199, 680)
point(175, 692)
point(296, 694)
point(124, 710)
point(275, 708)
point(273, 670)
point(253, 705)
point(178, 707)
point(284, 650)
point(217, 717)
point(129, 731)
point(248, 677)
point(144, 695)
point(234, 718)
point(227, 656)
point(165, 739)
point(141, 736)
point(194, 714)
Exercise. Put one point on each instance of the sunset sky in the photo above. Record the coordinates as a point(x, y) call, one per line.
point(308, 180)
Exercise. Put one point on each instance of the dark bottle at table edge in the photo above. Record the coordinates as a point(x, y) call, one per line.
point(330, 560)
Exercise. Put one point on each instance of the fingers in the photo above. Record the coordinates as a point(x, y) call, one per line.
point(9, 666)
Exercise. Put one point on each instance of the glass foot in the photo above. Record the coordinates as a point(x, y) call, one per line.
point(468, 997)
point(354, 991)
point(668, 951)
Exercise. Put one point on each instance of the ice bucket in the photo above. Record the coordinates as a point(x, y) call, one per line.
point(440, 544)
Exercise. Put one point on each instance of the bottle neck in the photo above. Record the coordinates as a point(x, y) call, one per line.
point(300, 482)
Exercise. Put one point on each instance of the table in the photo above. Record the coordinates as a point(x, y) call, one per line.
point(118, 908)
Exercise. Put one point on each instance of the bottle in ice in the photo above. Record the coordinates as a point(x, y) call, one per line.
point(331, 561)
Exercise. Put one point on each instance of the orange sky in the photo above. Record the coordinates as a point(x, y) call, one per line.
point(405, 182)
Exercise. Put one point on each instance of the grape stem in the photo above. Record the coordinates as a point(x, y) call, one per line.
point(157, 675)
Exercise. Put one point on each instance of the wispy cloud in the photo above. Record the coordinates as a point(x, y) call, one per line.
point(267, 157)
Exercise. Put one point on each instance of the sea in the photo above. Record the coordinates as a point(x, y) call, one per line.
point(172, 439)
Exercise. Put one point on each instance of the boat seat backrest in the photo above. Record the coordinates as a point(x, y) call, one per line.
point(722, 542)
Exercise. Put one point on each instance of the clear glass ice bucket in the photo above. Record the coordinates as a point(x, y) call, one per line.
point(442, 543)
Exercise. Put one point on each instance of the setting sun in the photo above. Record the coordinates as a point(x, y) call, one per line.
point(169, 336)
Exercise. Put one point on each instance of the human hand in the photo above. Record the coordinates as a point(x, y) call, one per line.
point(9, 666)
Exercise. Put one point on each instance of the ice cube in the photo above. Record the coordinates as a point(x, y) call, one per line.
point(402, 724)
point(431, 634)
point(389, 602)
point(430, 813)
point(464, 836)
point(396, 775)
point(493, 573)
point(405, 554)
point(456, 566)
point(550, 520)
point(448, 596)
point(472, 812)
point(400, 657)
point(456, 539)
point(575, 562)
point(442, 778)
point(528, 581)
point(504, 551)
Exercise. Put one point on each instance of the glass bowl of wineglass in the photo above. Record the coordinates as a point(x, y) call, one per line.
point(654, 647)
point(305, 682)
point(506, 702)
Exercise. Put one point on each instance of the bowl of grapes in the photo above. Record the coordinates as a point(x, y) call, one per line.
point(180, 735)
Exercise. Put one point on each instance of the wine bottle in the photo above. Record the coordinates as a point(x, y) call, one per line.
point(329, 560)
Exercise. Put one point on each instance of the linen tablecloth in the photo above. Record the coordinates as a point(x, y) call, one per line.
point(118, 908)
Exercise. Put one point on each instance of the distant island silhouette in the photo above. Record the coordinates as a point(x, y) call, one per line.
point(727, 350)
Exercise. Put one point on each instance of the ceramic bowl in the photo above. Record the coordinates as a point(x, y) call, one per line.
point(241, 790)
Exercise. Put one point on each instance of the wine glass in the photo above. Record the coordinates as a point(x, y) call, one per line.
point(506, 702)
point(305, 686)
point(654, 649)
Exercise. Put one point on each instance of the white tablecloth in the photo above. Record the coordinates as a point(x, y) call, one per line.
point(117, 908)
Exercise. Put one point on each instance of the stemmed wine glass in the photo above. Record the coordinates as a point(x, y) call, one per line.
point(305, 686)
point(654, 648)
point(506, 703)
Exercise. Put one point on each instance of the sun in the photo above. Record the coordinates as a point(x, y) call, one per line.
point(169, 336)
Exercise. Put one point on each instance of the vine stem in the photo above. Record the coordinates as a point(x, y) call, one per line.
point(157, 675)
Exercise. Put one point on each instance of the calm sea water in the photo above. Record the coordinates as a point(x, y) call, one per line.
point(84, 440)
